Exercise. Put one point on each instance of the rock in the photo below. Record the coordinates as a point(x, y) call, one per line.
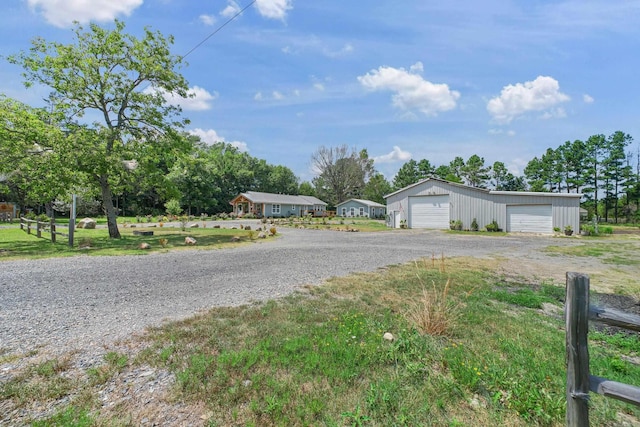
point(246, 383)
point(247, 227)
point(235, 239)
point(189, 241)
point(388, 336)
point(88, 223)
point(194, 226)
point(258, 228)
point(144, 245)
point(262, 235)
point(216, 226)
point(234, 227)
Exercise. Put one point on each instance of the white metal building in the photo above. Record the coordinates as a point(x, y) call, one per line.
point(433, 203)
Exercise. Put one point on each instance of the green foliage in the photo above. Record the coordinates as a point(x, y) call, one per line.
point(493, 226)
point(173, 207)
point(342, 173)
point(107, 71)
point(455, 225)
point(474, 225)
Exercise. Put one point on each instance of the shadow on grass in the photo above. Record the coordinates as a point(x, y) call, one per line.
point(16, 244)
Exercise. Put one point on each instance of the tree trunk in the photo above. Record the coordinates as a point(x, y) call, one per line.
point(110, 211)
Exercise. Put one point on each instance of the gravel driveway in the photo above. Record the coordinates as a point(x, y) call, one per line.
point(85, 302)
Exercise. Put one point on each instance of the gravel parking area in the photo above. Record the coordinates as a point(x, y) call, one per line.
point(84, 302)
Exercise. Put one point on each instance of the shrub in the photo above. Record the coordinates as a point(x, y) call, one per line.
point(273, 231)
point(474, 225)
point(173, 207)
point(455, 225)
point(493, 226)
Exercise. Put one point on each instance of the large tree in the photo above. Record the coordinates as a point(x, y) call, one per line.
point(377, 188)
point(35, 156)
point(475, 173)
point(119, 81)
point(342, 173)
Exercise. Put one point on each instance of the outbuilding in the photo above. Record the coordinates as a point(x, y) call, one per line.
point(435, 203)
point(361, 208)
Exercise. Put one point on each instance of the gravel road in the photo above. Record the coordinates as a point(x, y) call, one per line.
point(84, 302)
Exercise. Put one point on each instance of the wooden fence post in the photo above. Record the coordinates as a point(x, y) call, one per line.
point(577, 327)
point(38, 229)
point(53, 229)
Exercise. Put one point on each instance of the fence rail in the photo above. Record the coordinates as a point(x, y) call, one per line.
point(49, 227)
point(578, 312)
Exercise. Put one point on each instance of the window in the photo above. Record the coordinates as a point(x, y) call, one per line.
point(352, 211)
point(344, 211)
point(293, 207)
point(275, 209)
point(361, 211)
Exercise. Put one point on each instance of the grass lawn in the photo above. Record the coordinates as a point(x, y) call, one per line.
point(17, 244)
point(618, 252)
point(469, 349)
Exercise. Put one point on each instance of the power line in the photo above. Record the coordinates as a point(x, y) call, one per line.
point(220, 28)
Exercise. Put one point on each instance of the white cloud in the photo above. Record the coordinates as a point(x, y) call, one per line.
point(210, 136)
point(207, 19)
point(345, 50)
point(501, 132)
point(258, 96)
point(412, 92)
point(587, 99)
point(199, 100)
point(62, 13)
point(318, 86)
point(542, 94)
point(231, 9)
point(274, 9)
point(397, 155)
point(277, 95)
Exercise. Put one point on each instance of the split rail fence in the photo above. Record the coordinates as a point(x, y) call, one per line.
point(40, 227)
point(580, 382)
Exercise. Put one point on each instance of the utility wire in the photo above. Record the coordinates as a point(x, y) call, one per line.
point(220, 28)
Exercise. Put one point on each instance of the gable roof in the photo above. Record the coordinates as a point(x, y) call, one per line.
point(363, 202)
point(282, 199)
point(484, 190)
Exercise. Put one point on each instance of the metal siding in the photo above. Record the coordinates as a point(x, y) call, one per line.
point(429, 212)
point(468, 203)
point(530, 218)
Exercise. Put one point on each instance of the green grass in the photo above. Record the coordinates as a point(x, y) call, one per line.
point(17, 244)
point(319, 357)
point(322, 360)
point(617, 253)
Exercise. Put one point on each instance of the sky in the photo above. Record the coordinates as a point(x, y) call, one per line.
point(415, 79)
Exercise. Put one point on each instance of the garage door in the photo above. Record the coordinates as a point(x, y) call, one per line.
point(530, 219)
point(429, 212)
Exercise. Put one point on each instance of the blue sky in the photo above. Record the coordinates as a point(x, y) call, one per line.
point(411, 79)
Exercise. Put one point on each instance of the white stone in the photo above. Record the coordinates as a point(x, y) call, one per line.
point(388, 336)
point(88, 223)
point(190, 241)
